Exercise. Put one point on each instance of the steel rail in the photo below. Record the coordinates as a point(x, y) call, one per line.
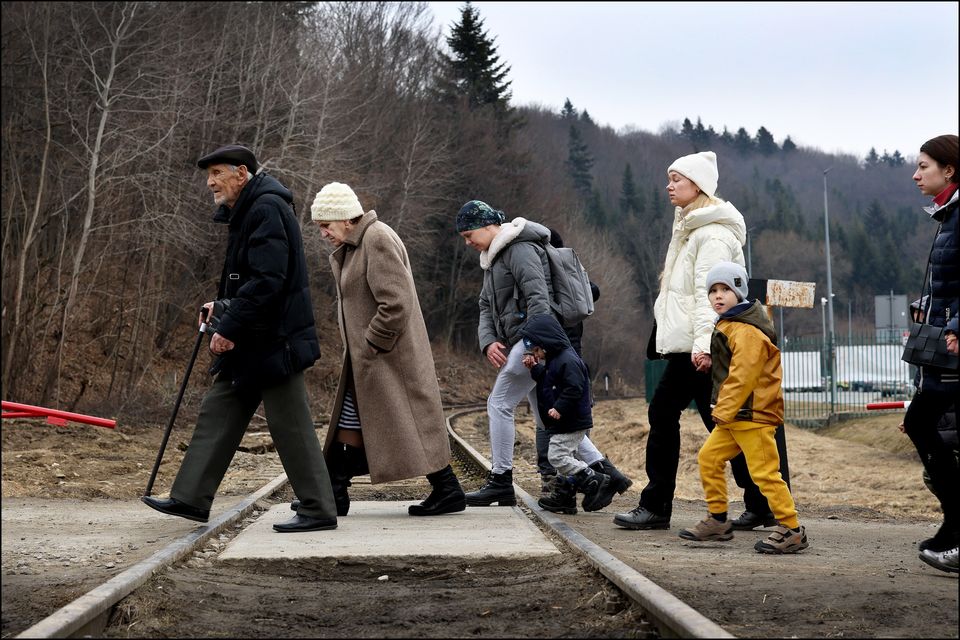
point(671, 616)
point(91, 610)
point(88, 614)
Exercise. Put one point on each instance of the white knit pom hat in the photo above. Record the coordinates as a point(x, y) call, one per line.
point(701, 168)
point(336, 201)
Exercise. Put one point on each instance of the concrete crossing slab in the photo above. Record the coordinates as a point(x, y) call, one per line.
point(384, 530)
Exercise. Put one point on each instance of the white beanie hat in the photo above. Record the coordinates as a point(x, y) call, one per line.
point(701, 168)
point(730, 274)
point(336, 201)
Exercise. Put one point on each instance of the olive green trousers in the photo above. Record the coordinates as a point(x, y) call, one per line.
point(225, 414)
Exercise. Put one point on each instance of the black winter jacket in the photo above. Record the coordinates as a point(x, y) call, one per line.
point(944, 301)
point(270, 317)
point(563, 382)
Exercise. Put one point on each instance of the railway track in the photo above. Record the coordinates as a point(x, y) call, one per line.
point(665, 615)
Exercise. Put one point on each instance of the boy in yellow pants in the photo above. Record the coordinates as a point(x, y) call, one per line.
point(747, 407)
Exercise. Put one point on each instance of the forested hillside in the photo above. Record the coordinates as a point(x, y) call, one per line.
point(108, 244)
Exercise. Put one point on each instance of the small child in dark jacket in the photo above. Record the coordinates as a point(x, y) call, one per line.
point(564, 403)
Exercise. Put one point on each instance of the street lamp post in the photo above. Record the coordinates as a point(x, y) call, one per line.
point(826, 233)
point(824, 366)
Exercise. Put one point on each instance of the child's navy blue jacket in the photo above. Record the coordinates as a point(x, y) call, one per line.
point(563, 382)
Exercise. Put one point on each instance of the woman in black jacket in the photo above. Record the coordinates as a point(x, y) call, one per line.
point(936, 176)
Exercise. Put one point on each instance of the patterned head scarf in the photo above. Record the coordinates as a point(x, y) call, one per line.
point(477, 214)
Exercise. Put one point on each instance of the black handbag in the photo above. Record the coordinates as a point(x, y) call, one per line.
point(926, 346)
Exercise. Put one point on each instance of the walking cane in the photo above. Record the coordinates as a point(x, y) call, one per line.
point(176, 407)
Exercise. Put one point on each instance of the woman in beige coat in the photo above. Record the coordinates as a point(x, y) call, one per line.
point(387, 418)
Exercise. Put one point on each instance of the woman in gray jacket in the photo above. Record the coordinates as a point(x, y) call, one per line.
point(515, 287)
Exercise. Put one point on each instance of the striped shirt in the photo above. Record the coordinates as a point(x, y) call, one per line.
point(349, 417)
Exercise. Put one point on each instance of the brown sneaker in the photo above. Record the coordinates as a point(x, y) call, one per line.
point(709, 529)
point(783, 540)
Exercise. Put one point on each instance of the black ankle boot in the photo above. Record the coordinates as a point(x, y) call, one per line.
point(596, 488)
point(498, 488)
point(562, 498)
point(346, 461)
point(447, 495)
point(619, 481)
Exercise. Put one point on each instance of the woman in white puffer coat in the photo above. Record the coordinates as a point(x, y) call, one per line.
point(706, 230)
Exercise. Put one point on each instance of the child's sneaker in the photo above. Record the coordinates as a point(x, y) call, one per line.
point(783, 540)
point(709, 529)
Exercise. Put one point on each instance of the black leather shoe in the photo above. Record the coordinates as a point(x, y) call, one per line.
point(748, 521)
point(641, 518)
point(173, 507)
point(305, 523)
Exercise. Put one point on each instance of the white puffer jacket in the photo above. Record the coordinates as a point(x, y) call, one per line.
point(700, 239)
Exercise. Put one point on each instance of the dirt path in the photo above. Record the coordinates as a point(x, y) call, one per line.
point(69, 501)
point(864, 508)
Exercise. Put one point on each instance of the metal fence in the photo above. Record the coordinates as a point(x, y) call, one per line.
point(821, 385)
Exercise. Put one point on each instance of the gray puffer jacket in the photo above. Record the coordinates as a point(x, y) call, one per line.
point(515, 284)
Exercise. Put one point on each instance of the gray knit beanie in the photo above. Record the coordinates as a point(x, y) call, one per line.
point(730, 274)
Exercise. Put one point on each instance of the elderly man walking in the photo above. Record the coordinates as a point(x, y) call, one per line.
point(264, 340)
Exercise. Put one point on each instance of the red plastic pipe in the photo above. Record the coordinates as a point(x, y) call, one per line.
point(27, 410)
point(900, 404)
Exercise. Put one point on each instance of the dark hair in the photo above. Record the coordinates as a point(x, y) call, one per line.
point(944, 150)
point(555, 238)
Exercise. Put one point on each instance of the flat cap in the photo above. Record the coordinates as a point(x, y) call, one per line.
point(231, 154)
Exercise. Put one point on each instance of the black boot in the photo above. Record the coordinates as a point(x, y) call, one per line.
point(596, 488)
point(619, 481)
point(562, 498)
point(547, 480)
point(498, 488)
point(346, 461)
point(447, 495)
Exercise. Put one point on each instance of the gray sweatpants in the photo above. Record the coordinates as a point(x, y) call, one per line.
point(563, 452)
point(512, 385)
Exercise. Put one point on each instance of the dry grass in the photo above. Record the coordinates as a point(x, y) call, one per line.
point(858, 464)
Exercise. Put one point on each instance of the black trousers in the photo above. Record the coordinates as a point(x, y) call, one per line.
point(920, 423)
point(681, 384)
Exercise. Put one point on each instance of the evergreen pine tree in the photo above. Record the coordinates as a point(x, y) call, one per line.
point(699, 136)
point(896, 160)
point(596, 212)
point(726, 137)
point(585, 118)
point(788, 145)
point(765, 142)
point(579, 163)
point(875, 219)
point(872, 159)
point(631, 201)
point(568, 112)
point(475, 66)
point(742, 142)
point(657, 203)
point(686, 129)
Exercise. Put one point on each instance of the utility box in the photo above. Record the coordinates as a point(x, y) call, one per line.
point(891, 317)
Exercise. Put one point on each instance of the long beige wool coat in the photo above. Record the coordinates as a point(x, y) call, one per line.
point(397, 393)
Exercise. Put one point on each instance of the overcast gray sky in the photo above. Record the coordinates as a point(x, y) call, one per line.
point(842, 77)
